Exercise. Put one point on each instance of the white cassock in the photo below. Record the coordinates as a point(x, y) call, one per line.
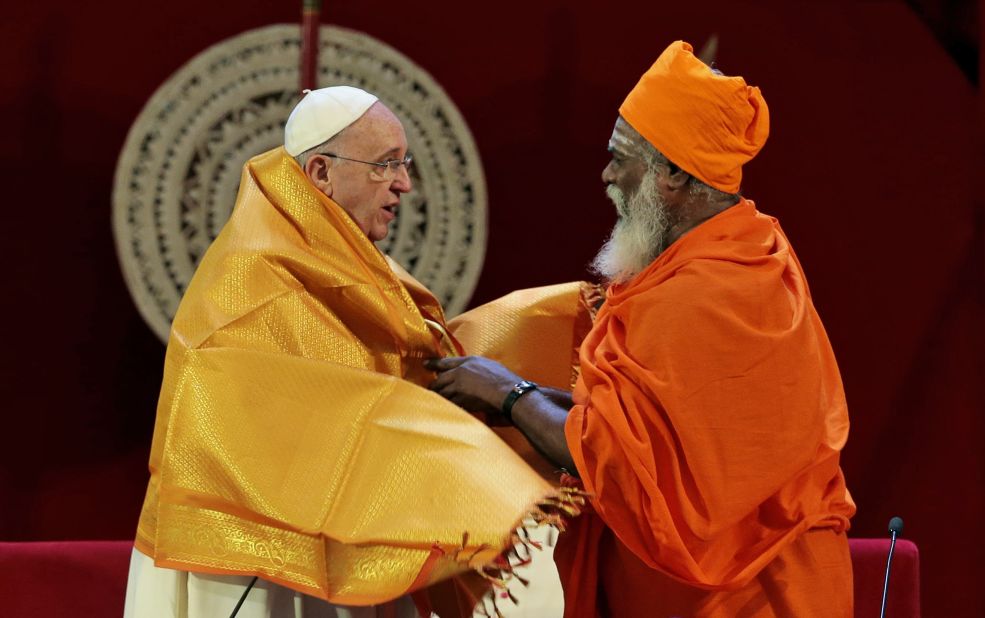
point(155, 592)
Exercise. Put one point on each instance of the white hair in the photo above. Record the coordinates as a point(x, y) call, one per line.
point(302, 157)
point(700, 190)
point(640, 233)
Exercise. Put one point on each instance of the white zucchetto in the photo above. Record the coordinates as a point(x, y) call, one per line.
point(322, 114)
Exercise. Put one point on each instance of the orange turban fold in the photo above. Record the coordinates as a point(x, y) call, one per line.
point(708, 124)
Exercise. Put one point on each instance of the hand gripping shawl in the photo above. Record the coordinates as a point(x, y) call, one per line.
point(294, 440)
point(709, 416)
point(536, 333)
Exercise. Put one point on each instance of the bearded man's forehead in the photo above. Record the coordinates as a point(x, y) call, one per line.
point(627, 140)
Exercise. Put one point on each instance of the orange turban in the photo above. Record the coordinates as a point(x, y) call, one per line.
point(707, 124)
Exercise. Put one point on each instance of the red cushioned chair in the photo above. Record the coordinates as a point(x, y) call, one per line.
point(77, 579)
point(869, 565)
point(82, 579)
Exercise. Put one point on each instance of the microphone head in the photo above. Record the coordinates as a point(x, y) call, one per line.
point(896, 525)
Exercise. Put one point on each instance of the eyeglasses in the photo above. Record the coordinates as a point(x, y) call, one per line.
point(386, 170)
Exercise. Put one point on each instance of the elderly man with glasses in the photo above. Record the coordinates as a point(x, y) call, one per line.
point(370, 196)
point(299, 465)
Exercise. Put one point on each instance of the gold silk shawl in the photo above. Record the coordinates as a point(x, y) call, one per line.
point(536, 333)
point(294, 439)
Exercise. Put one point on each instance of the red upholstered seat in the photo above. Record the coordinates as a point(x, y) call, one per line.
point(869, 565)
point(78, 579)
point(82, 579)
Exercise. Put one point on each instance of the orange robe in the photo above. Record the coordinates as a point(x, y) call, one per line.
point(708, 423)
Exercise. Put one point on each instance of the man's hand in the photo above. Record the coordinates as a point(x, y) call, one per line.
point(480, 385)
point(475, 383)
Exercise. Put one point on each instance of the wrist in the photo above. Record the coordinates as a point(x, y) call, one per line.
point(519, 389)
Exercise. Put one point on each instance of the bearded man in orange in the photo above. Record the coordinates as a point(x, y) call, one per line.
point(295, 440)
point(708, 417)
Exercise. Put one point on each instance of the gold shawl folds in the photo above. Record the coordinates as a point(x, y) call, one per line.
point(293, 437)
point(536, 333)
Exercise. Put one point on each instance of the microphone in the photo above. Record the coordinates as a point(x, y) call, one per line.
point(243, 598)
point(895, 529)
point(896, 526)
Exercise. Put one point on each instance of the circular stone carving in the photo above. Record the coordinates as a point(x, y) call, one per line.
point(178, 174)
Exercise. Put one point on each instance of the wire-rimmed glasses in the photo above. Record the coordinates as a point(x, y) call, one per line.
point(386, 170)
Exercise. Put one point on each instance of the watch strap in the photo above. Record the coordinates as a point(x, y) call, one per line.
point(519, 389)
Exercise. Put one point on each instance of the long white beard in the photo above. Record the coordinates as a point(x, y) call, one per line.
point(638, 236)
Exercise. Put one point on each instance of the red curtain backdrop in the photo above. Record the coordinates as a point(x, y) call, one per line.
point(873, 168)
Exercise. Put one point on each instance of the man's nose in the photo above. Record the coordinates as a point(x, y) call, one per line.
point(608, 177)
point(402, 182)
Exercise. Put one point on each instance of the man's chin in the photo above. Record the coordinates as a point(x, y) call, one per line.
point(378, 235)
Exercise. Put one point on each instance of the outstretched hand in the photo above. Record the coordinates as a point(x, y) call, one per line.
point(474, 383)
point(480, 385)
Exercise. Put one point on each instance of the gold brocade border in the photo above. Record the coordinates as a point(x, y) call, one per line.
point(209, 541)
point(204, 540)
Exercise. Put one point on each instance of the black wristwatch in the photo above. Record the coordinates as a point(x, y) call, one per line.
point(519, 389)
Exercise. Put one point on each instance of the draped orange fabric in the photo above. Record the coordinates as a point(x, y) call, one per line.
point(708, 425)
point(294, 437)
point(708, 124)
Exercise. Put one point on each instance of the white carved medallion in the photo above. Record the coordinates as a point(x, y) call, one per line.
point(178, 173)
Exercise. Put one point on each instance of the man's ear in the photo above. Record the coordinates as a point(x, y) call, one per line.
point(318, 170)
point(677, 179)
